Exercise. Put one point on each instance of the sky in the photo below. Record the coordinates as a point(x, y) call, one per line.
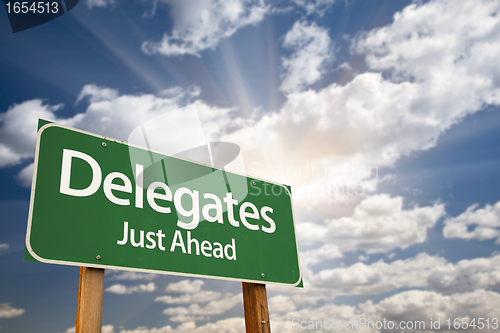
point(381, 115)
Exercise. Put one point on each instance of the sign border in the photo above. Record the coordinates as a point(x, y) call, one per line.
point(141, 270)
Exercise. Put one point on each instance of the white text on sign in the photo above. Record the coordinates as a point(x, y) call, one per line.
point(248, 212)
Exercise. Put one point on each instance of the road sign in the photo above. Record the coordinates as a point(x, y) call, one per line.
point(99, 202)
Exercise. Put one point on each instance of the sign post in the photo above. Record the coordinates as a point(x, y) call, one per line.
point(89, 308)
point(101, 203)
point(256, 310)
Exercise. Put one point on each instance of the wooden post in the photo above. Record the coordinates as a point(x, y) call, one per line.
point(256, 311)
point(89, 309)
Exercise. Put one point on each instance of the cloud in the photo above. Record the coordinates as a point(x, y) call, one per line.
point(201, 296)
point(108, 113)
point(466, 275)
point(201, 25)
point(229, 325)
point(422, 271)
point(107, 329)
point(434, 44)
point(311, 47)
point(104, 329)
point(6, 311)
point(378, 277)
point(281, 303)
point(18, 130)
point(117, 115)
point(99, 3)
point(216, 303)
point(314, 256)
point(315, 6)
point(122, 290)
point(4, 246)
point(187, 318)
point(131, 276)
point(399, 106)
point(379, 224)
point(458, 40)
point(26, 175)
point(412, 305)
point(185, 286)
point(364, 258)
point(402, 105)
point(426, 71)
point(417, 305)
point(215, 307)
point(97, 94)
point(422, 78)
point(486, 223)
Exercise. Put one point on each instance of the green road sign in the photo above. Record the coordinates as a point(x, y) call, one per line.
point(98, 202)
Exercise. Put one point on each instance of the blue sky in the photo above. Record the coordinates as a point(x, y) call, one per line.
point(408, 90)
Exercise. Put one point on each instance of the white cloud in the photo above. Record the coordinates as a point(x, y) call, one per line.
point(281, 303)
point(122, 290)
point(185, 286)
point(108, 113)
point(311, 47)
point(131, 276)
point(413, 305)
point(117, 115)
point(458, 41)
point(107, 329)
point(379, 224)
point(26, 175)
point(422, 271)
point(97, 94)
point(216, 303)
point(378, 277)
point(104, 329)
point(283, 322)
point(6, 311)
point(215, 307)
point(486, 222)
point(417, 305)
point(439, 43)
point(18, 130)
point(427, 70)
point(230, 325)
point(200, 25)
point(187, 318)
point(201, 296)
point(315, 6)
point(99, 3)
point(314, 256)
point(4, 246)
point(363, 258)
point(372, 120)
point(466, 275)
